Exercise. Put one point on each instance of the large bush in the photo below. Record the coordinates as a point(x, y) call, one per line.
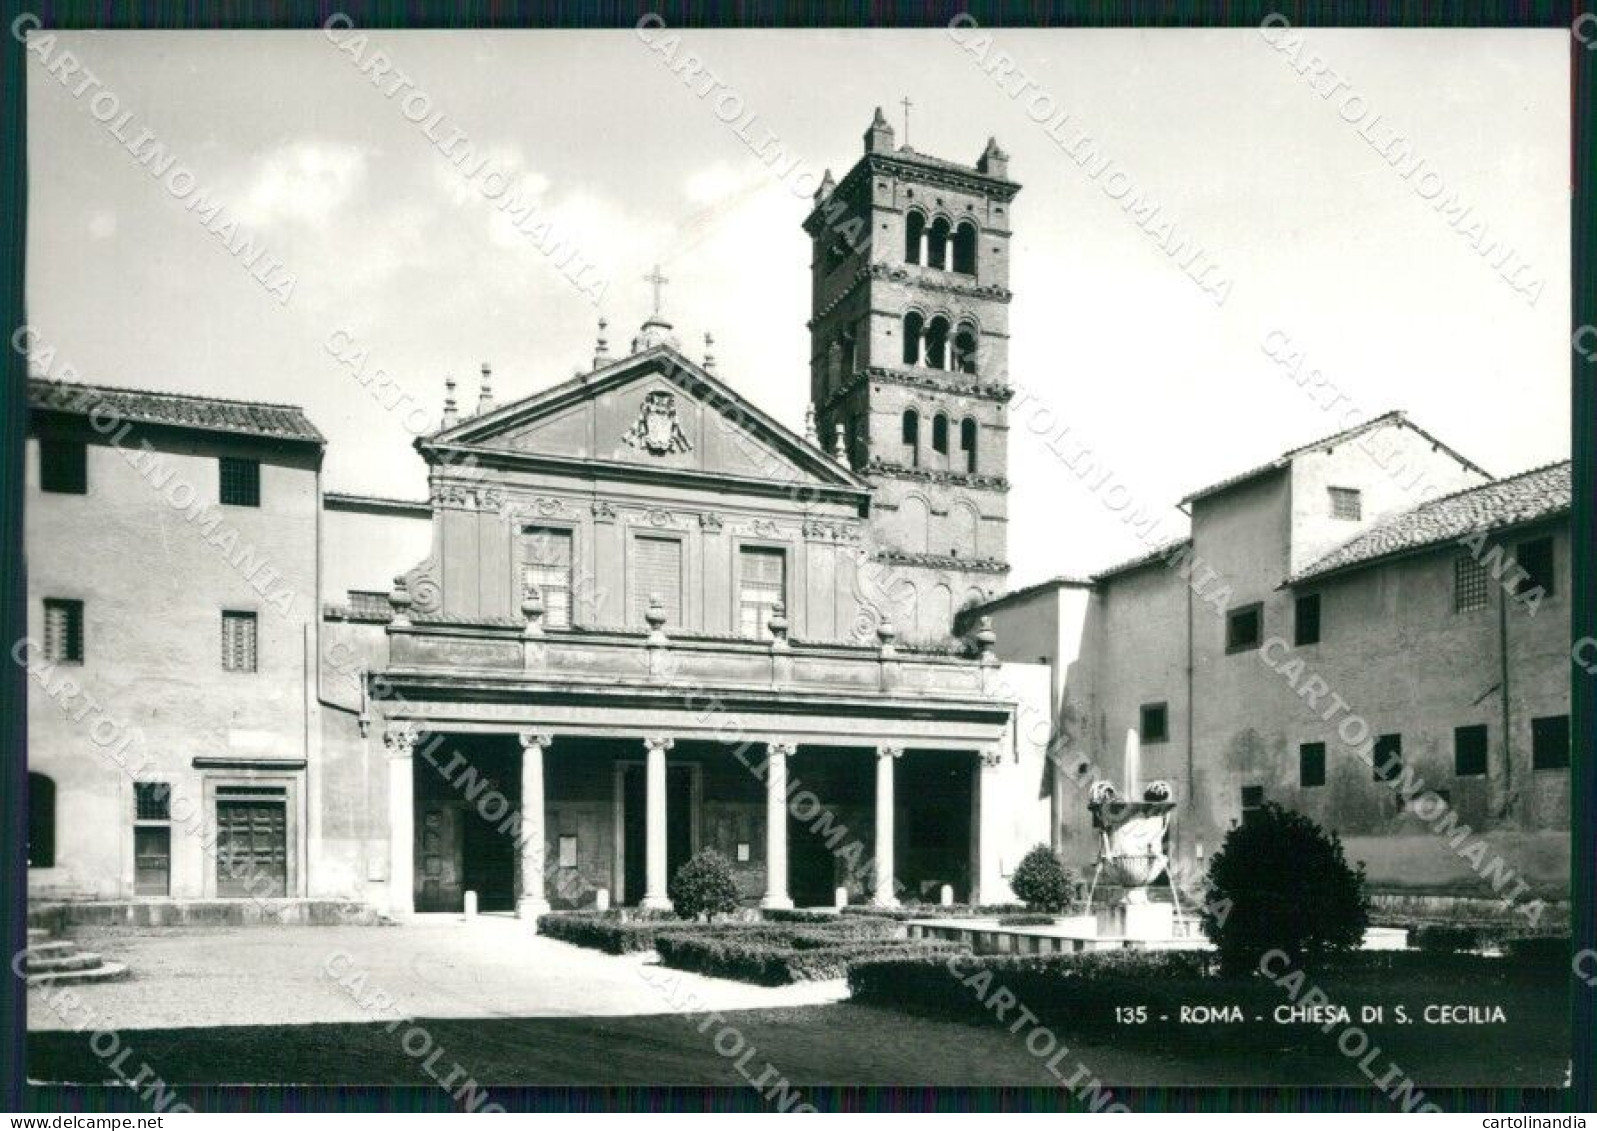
point(1042, 881)
point(704, 886)
point(1281, 882)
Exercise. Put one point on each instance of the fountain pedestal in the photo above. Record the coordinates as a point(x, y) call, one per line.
point(1137, 918)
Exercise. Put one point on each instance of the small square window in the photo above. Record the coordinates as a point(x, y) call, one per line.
point(63, 631)
point(1155, 722)
point(1311, 764)
point(1469, 584)
point(64, 466)
point(1306, 619)
point(152, 801)
point(1549, 743)
point(1243, 628)
point(1535, 557)
point(238, 641)
point(241, 482)
point(568, 851)
point(1469, 751)
point(1388, 757)
point(1346, 503)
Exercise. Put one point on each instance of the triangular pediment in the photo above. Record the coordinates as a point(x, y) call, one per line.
point(654, 410)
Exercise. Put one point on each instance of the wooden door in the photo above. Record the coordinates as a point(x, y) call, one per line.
point(251, 848)
point(440, 857)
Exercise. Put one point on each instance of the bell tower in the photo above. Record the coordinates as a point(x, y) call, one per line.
point(909, 355)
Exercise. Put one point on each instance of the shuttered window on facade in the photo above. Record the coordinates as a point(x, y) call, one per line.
point(762, 586)
point(546, 566)
point(63, 631)
point(657, 571)
point(238, 642)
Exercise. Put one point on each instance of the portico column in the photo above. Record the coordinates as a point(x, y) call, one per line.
point(776, 826)
point(985, 872)
point(886, 895)
point(532, 902)
point(654, 893)
point(401, 743)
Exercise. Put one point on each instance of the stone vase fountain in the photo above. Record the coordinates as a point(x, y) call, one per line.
point(1131, 829)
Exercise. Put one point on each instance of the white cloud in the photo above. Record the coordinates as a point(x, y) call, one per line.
point(306, 182)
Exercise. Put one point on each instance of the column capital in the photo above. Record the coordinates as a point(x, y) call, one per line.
point(991, 756)
point(652, 742)
point(534, 739)
point(889, 751)
point(782, 746)
point(401, 740)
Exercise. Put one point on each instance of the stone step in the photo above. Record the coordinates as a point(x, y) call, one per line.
point(76, 961)
point(52, 948)
point(37, 935)
point(101, 972)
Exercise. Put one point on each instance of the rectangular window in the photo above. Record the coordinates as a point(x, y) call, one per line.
point(63, 630)
point(1535, 557)
point(64, 467)
point(762, 585)
point(568, 851)
point(1155, 722)
point(1311, 764)
point(657, 572)
point(238, 641)
point(1388, 757)
point(1469, 751)
point(1346, 503)
point(1252, 801)
point(1306, 619)
point(1469, 584)
point(152, 860)
point(546, 567)
point(152, 801)
point(1549, 743)
point(241, 481)
point(1243, 628)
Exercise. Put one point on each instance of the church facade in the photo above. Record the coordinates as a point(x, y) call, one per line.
point(636, 617)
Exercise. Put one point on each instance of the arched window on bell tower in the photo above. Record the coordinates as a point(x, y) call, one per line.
point(965, 348)
point(914, 327)
point(967, 444)
point(914, 237)
point(937, 343)
point(940, 439)
point(965, 248)
point(937, 241)
point(911, 437)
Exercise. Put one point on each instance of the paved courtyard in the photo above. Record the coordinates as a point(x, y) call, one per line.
point(435, 966)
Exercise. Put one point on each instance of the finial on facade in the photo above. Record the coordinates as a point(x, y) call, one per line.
point(655, 618)
point(485, 399)
point(809, 425)
point(985, 639)
point(886, 634)
point(839, 444)
point(778, 626)
point(879, 138)
point(451, 409)
point(601, 347)
point(709, 352)
point(827, 185)
point(532, 611)
point(399, 600)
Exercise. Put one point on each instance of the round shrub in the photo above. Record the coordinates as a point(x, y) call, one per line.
point(1281, 882)
point(1041, 881)
point(704, 886)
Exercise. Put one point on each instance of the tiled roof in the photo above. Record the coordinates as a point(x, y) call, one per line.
point(1542, 492)
point(1159, 552)
point(211, 414)
point(1394, 417)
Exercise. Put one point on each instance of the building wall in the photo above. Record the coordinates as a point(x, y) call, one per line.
point(154, 582)
point(365, 545)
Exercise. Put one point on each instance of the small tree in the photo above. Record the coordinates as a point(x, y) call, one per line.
point(704, 886)
point(1281, 882)
point(1041, 881)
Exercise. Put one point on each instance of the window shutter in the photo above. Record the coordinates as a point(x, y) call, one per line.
point(762, 586)
point(657, 569)
point(546, 566)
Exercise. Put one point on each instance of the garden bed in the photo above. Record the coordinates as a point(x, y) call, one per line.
point(770, 962)
point(623, 933)
point(934, 911)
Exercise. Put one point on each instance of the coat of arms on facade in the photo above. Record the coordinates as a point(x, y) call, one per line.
point(658, 431)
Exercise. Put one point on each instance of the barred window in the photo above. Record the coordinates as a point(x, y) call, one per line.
point(1346, 502)
point(238, 641)
point(1469, 584)
point(546, 566)
point(762, 585)
point(241, 482)
point(657, 572)
point(63, 631)
point(152, 801)
point(64, 467)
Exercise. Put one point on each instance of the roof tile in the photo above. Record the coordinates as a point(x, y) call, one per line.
point(210, 414)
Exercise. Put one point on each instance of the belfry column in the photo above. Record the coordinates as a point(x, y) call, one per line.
point(532, 902)
point(776, 896)
point(401, 743)
point(886, 895)
point(654, 888)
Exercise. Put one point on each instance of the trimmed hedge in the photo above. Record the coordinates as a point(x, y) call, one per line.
point(612, 934)
point(607, 932)
point(935, 911)
point(773, 964)
point(798, 915)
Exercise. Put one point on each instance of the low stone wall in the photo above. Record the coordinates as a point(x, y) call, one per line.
point(57, 917)
point(1404, 908)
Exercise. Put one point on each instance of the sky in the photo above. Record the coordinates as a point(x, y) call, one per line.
point(1332, 259)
